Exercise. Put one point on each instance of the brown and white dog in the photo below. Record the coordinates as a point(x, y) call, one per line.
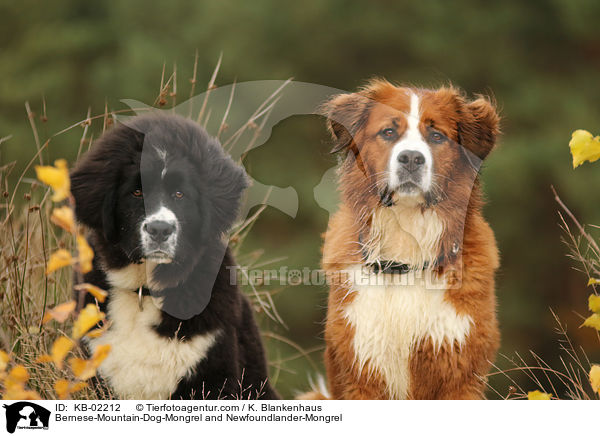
point(409, 257)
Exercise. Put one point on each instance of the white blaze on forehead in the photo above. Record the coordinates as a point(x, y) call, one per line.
point(162, 154)
point(414, 116)
point(412, 140)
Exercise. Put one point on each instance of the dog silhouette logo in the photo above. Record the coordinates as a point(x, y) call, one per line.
point(26, 415)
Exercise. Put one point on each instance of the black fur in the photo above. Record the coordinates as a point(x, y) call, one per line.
point(198, 295)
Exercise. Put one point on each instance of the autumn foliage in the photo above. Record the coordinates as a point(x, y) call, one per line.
point(584, 148)
point(15, 379)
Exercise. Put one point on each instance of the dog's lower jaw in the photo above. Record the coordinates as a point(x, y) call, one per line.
point(159, 258)
point(389, 197)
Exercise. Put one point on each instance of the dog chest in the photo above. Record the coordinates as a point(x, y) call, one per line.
point(142, 364)
point(391, 317)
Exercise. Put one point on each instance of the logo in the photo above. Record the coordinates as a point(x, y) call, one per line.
point(26, 415)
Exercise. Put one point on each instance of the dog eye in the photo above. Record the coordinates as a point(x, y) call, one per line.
point(437, 137)
point(178, 194)
point(137, 193)
point(388, 133)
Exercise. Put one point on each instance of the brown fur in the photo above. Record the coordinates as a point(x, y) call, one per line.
point(451, 372)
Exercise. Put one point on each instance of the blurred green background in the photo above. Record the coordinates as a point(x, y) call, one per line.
point(539, 59)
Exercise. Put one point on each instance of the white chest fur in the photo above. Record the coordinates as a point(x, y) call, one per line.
point(133, 276)
point(404, 234)
point(142, 364)
point(390, 319)
point(391, 314)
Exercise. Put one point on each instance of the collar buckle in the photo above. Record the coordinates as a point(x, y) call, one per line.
point(140, 301)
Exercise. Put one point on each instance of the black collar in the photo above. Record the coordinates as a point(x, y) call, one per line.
point(148, 293)
point(393, 267)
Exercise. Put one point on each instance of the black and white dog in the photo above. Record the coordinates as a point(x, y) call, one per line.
point(158, 195)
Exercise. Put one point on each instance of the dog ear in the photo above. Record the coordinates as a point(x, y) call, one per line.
point(228, 182)
point(89, 198)
point(346, 114)
point(478, 126)
point(96, 175)
point(109, 224)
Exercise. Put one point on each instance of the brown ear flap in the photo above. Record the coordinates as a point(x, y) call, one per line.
point(479, 126)
point(346, 114)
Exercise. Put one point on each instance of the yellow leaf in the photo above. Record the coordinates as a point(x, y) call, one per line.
point(98, 293)
point(14, 384)
point(86, 254)
point(19, 393)
point(593, 321)
point(595, 378)
point(44, 358)
point(59, 259)
point(593, 281)
point(61, 312)
point(4, 359)
point(584, 147)
point(59, 350)
point(75, 387)
point(85, 369)
point(64, 388)
point(594, 303)
point(88, 318)
point(18, 375)
point(61, 387)
point(81, 368)
point(96, 333)
point(537, 395)
point(100, 354)
point(64, 218)
point(57, 177)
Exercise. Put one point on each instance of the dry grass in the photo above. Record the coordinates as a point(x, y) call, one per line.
point(27, 237)
point(570, 380)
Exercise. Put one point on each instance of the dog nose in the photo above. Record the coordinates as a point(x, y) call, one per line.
point(159, 231)
point(411, 159)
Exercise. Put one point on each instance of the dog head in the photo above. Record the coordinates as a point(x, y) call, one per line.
point(158, 189)
point(410, 160)
point(409, 145)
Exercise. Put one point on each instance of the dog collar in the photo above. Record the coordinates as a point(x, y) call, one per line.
point(142, 292)
point(393, 267)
